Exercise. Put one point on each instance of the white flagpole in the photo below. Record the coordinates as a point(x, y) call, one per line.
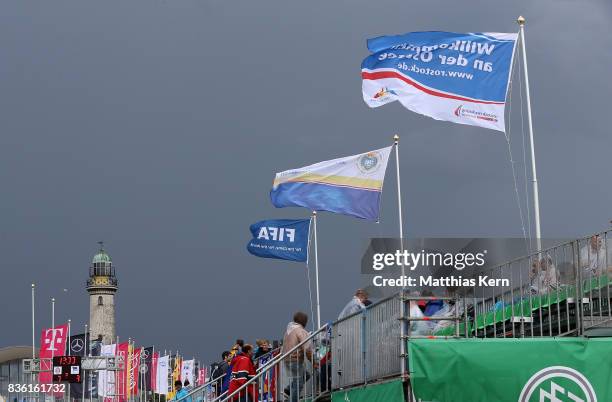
point(87, 347)
point(69, 353)
point(403, 333)
point(52, 328)
point(33, 336)
point(536, 198)
point(153, 379)
point(118, 375)
point(33, 326)
point(316, 252)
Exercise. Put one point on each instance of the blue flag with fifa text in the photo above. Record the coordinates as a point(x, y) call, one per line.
point(283, 239)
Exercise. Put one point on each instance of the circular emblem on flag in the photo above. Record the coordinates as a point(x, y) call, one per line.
point(370, 162)
point(558, 383)
point(145, 354)
point(76, 345)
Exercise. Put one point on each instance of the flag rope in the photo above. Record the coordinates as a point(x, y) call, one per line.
point(525, 158)
point(512, 163)
point(310, 295)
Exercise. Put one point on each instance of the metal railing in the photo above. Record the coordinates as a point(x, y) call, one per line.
point(206, 392)
point(366, 346)
point(561, 291)
point(294, 375)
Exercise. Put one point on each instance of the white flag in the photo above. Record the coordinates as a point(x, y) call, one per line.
point(187, 371)
point(162, 375)
point(106, 378)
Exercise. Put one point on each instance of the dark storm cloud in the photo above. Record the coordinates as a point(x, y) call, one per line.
point(157, 126)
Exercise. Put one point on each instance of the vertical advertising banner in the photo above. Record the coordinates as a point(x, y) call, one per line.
point(134, 371)
point(153, 376)
point(76, 347)
point(107, 379)
point(162, 374)
point(202, 376)
point(187, 367)
point(52, 343)
point(123, 350)
point(147, 368)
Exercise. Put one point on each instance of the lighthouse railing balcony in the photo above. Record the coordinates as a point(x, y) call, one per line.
point(102, 270)
point(112, 281)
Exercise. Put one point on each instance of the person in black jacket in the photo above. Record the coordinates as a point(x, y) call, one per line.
point(220, 369)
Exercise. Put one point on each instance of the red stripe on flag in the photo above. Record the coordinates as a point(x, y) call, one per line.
point(392, 74)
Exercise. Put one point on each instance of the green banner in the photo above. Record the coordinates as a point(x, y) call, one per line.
point(391, 391)
point(513, 370)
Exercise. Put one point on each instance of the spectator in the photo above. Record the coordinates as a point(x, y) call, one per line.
point(417, 327)
point(355, 305)
point(294, 364)
point(431, 306)
point(543, 275)
point(222, 369)
point(325, 367)
point(236, 348)
point(263, 347)
point(449, 309)
point(242, 371)
point(181, 392)
point(593, 257)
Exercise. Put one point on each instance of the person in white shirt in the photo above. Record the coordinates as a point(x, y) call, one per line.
point(543, 275)
point(593, 257)
point(355, 304)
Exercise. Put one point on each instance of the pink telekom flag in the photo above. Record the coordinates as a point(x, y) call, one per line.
point(52, 343)
point(202, 376)
point(153, 372)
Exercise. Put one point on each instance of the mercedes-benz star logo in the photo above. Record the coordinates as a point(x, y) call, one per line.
point(76, 345)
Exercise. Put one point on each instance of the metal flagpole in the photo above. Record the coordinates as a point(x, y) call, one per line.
point(536, 198)
point(33, 326)
point(153, 384)
point(52, 327)
point(316, 251)
point(33, 337)
point(87, 377)
point(118, 375)
point(401, 233)
point(69, 353)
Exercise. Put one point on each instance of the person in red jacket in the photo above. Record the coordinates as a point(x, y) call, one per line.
point(242, 371)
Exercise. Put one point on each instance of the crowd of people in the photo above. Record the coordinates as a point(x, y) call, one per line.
point(239, 364)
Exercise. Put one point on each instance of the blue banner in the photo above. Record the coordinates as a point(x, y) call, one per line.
point(283, 239)
point(458, 77)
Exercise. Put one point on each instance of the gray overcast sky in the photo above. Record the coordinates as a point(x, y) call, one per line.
point(157, 126)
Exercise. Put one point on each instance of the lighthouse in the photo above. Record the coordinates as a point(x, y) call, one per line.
point(102, 286)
